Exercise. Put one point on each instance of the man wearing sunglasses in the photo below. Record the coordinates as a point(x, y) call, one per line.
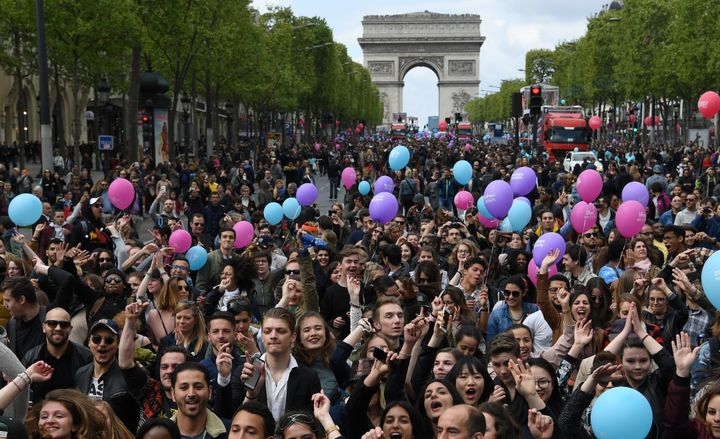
point(58, 351)
point(103, 379)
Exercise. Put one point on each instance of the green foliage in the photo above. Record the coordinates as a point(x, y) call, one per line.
point(496, 106)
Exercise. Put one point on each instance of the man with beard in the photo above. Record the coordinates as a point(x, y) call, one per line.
point(191, 392)
point(590, 240)
point(209, 275)
point(154, 396)
point(58, 351)
point(221, 332)
point(103, 379)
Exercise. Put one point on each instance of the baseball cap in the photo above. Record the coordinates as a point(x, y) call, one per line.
point(95, 200)
point(110, 325)
point(658, 169)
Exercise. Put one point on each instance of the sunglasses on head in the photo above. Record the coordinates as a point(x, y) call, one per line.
point(55, 323)
point(295, 272)
point(513, 294)
point(97, 339)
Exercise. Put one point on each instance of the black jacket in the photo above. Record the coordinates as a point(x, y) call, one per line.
point(116, 392)
point(302, 385)
point(79, 357)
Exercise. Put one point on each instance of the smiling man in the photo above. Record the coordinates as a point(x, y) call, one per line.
point(191, 392)
point(103, 379)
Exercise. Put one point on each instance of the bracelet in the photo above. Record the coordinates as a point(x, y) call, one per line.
point(643, 339)
point(331, 429)
point(484, 308)
point(16, 385)
point(354, 305)
point(25, 377)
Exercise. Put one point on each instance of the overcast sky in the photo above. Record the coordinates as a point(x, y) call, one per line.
point(511, 28)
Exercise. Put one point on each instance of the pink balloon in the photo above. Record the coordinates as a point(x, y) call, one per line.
point(657, 120)
point(630, 218)
point(244, 234)
point(533, 269)
point(180, 240)
point(317, 147)
point(464, 200)
point(583, 216)
point(490, 223)
point(348, 177)
point(468, 147)
point(595, 123)
point(648, 121)
point(589, 185)
point(121, 193)
point(709, 104)
point(337, 147)
point(632, 118)
point(361, 125)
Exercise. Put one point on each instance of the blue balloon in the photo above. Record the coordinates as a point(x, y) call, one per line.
point(483, 209)
point(711, 279)
point(25, 209)
point(364, 188)
point(462, 171)
point(519, 215)
point(621, 412)
point(273, 213)
point(197, 256)
point(291, 208)
point(399, 157)
point(506, 225)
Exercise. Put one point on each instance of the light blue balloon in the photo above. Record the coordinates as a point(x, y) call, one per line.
point(621, 413)
point(462, 171)
point(197, 256)
point(364, 188)
point(399, 157)
point(519, 215)
point(505, 225)
point(273, 213)
point(711, 279)
point(25, 209)
point(483, 209)
point(291, 208)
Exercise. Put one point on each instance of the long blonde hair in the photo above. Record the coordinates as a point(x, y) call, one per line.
point(198, 333)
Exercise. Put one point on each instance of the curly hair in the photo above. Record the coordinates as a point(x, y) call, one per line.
point(87, 420)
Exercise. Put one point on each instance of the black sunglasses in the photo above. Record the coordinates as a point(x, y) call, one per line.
point(295, 272)
point(98, 338)
point(113, 280)
point(591, 235)
point(514, 294)
point(55, 323)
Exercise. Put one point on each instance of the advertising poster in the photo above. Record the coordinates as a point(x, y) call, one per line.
point(162, 145)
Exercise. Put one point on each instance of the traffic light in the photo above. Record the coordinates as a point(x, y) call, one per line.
point(148, 129)
point(448, 120)
point(536, 99)
point(458, 117)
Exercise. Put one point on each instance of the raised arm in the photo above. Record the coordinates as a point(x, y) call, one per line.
point(126, 347)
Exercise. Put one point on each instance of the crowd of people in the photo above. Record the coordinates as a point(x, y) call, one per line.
point(333, 325)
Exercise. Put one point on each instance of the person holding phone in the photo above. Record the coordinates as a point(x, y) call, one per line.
point(283, 384)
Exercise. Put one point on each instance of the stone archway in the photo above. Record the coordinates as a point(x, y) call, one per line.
point(449, 45)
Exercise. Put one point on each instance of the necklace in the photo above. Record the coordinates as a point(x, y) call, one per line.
point(517, 319)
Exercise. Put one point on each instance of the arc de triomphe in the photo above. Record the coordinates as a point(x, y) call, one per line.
point(447, 44)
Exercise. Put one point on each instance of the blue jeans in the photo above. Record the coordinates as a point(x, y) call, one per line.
point(334, 183)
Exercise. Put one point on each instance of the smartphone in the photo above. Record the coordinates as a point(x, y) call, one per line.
point(371, 321)
point(379, 354)
point(252, 380)
point(446, 318)
point(425, 310)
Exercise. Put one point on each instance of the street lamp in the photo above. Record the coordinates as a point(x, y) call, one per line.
point(676, 114)
point(103, 92)
point(229, 111)
point(185, 102)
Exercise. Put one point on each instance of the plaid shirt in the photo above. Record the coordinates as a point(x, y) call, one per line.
point(698, 324)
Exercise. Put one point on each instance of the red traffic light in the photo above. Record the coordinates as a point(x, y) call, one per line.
point(535, 91)
point(145, 118)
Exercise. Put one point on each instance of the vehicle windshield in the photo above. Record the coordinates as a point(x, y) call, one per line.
point(464, 131)
point(578, 157)
point(397, 132)
point(567, 135)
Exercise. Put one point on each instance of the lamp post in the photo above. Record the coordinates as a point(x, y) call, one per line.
point(104, 102)
point(185, 102)
point(230, 116)
point(676, 114)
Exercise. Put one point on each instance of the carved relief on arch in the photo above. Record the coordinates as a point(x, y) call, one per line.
point(436, 63)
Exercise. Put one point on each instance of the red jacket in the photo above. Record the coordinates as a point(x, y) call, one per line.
point(677, 407)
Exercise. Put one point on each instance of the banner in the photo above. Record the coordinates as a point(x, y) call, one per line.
point(162, 141)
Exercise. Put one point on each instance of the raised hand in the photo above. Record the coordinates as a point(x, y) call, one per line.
point(684, 354)
point(375, 433)
point(548, 260)
point(134, 310)
point(524, 381)
point(437, 306)
point(498, 394)
point(541, 426)
point(353, 286)
point(583, 332)
point(247, 342)
point(321, 405)
point(224, 360)
point(39, 372)
point(604, 374)
point(247, 371)
point(564, 299)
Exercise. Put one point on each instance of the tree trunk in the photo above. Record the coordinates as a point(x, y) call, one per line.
point(75, 113)
point(133, 104)
point(21, 99)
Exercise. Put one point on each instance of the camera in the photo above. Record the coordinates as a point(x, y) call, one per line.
point(706, 210)
point(311, 241)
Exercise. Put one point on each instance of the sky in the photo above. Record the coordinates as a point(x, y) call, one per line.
point(510, 27)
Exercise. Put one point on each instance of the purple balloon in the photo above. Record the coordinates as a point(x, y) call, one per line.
point(383, 207)
point(636, 191)
point(306, 194)
point(523, 180)
point(547, 243)
point(498, 198)
point(525, 200)
point(383, 184)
